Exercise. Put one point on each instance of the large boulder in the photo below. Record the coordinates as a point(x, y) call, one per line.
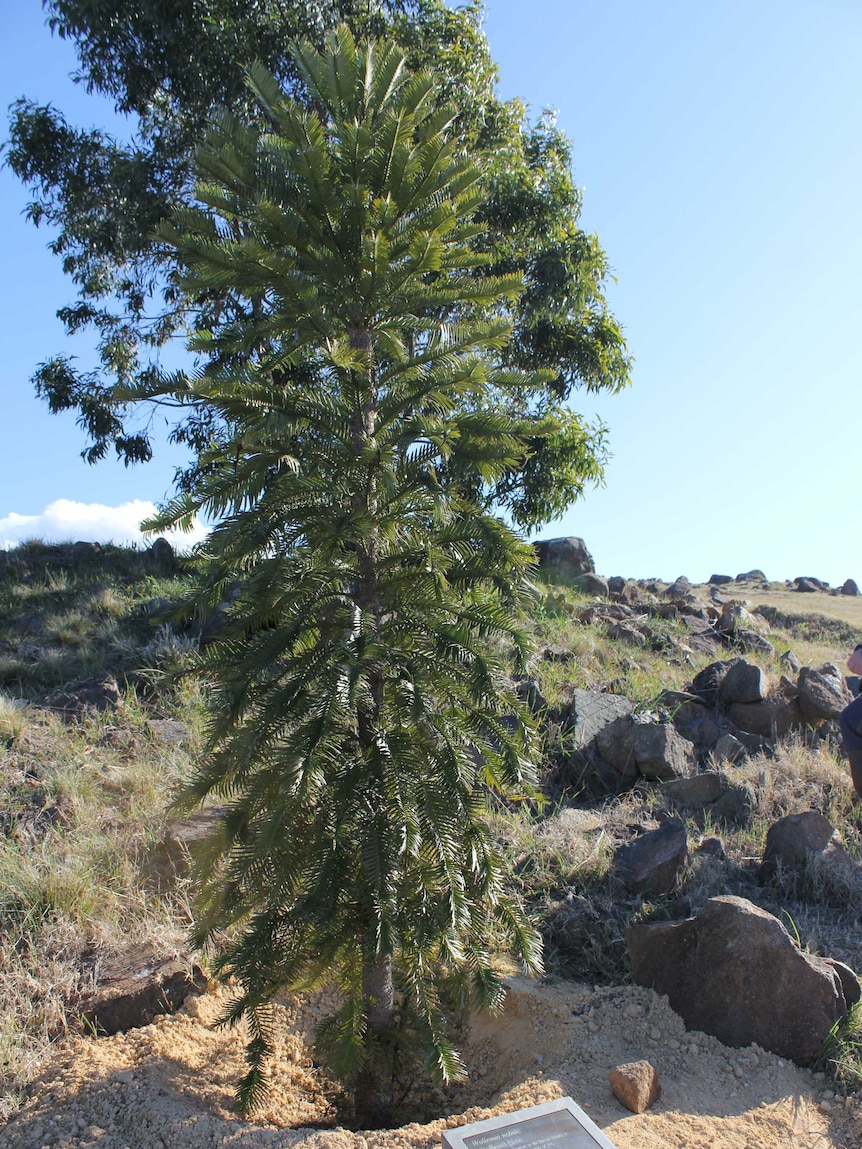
point(735, 972)
point(823, 694)
point(652, 863)
point(772, 718)
point(654, 750)
point(592, 584)
point(850, 587)
point(590, 712)
point(796, 838)
point(744, 682)
point(563, 560)
point(707, 682)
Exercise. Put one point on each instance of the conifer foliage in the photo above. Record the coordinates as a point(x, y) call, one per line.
point(361, 717)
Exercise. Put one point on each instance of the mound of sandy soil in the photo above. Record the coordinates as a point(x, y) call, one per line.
point(169, 1085)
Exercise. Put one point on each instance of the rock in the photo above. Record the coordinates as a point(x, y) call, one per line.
point(728, 749)
point(651, 863)
point(635, 1085)
point(732, 808)
point(616, 584)
point(653, 750)
point(850, 587)
point(679, 588)
point(626, 632)
point(712, 847)
point(562, 560)
point(169, 731)
point(592, 584)
point(792, 840)
point(849, 981)
point(530, 693)
point(807, 585)
point(707, 683)
point(744, 682)
point(711, 793)
point(752, 640)
point(790, 660)
point(182, 839)
point(162, 554)
point(591, 712)
point(81, 551)
point(752, 576)
point(772, 718)
point(734, 971)
point(138, 986)
point(697, 791)
point(99, 693)
point(822, 693)
point(701, 634)
point(720, 580)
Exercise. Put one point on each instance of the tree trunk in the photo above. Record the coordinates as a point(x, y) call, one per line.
point(378, 993)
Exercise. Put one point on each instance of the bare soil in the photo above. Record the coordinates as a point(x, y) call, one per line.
point(170, 1085)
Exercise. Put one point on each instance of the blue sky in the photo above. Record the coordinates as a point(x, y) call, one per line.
point(719, 148)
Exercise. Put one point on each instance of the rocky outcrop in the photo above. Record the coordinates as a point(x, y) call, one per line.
point(734, 971)
point(563, 560)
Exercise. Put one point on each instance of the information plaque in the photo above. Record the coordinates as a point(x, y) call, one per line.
point(557, 1124)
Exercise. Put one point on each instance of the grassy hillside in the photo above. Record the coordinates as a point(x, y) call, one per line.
point(83, 796)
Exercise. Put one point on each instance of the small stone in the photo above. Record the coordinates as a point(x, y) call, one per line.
point(673, 1045)
point(737, 1071)
point(592, 1027)
point(635, 1085)
point(655, 1034)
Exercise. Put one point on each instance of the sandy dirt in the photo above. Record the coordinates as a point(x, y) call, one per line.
point(169, 1085)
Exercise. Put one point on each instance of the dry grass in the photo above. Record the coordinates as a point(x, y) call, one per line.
point(82, 806)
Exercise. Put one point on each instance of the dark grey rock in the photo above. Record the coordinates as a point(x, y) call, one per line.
point(850, 587)
point(591, 712)
point(652, 863)
point(733, 971)
point(699, 790)
point(562, 560)
point(530, 693)
point(649, 749)
point(707, 683)
point(752, 640)
point(720, 579)
point(794, 839)
point(822, 693)
point(751, 576)
point(592, 584)
point(712, 847)
point(807, 585)
point(744, 682)
point(772, 718)
point(790, 660)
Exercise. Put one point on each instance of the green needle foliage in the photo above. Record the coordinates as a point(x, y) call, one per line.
point(361, 720)
point(167, 67)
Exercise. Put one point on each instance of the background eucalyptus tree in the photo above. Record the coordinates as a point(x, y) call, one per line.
point(167, 66)
point(361, 715)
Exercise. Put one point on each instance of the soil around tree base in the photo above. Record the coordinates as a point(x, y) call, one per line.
point(170, 1085)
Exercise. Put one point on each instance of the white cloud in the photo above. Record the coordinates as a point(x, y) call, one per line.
point(67, 521)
